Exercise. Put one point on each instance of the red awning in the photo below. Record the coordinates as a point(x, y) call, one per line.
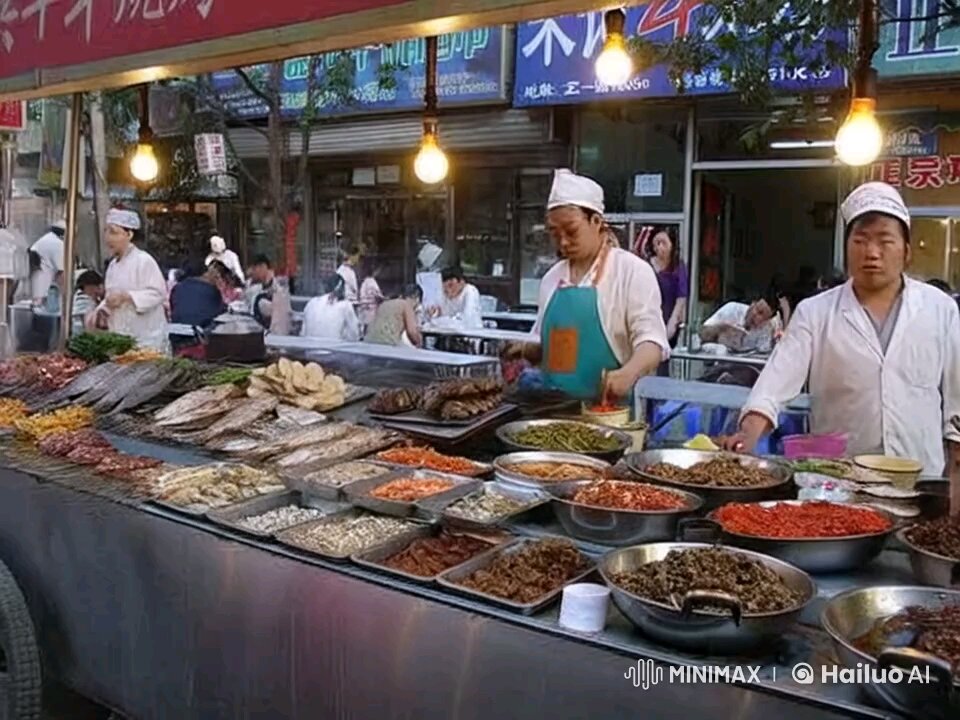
point(53, 46)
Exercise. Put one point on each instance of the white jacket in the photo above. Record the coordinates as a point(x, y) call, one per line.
point(899, 404)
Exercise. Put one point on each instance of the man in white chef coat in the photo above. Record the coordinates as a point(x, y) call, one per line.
point(46, 262)
point(881, 352)
point(135, 288)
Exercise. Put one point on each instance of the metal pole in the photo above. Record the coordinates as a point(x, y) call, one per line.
point(8, 159)
point(70, 242)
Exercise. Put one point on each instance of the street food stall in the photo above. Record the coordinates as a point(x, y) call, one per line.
point(278, 539)
point(199, 541)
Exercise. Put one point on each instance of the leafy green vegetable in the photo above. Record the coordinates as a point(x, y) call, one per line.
point(229, 376)
point(99, 347)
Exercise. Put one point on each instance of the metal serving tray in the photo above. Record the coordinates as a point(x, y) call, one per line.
point(374, 557)
point(358, 493)
point(479, 469)
point(285, 538)
point(331, 492)
point(442, 507)
point(231, 515)
point(450, 578)
point(507, 477)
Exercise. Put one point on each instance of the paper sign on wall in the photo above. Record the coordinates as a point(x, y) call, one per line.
point(648, 185)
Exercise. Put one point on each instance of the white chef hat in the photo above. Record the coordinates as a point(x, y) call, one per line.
point(60, 225)
point(217, 244)
point(128, 219)
point(577, 190)
point(874, 197)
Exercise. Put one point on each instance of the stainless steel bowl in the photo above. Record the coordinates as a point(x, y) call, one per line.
point(851, 614)
point(506, 476)
point(689, 629)
point(607, 526)
point(929, 567)
point(506, 432)
point(713, 497)
point(814, 555)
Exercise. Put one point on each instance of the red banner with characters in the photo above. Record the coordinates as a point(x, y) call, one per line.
point(926, 172)
point(13, 116)
point(41, 34)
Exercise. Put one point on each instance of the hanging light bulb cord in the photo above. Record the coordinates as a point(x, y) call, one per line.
point(146, 132)
point(430, 90)
point(868, 41)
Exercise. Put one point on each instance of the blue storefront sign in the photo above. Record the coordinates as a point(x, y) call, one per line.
point(916, 47)
point(555, 57)
point(470, 70)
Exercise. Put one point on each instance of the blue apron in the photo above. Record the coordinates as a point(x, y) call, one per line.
point(575, 349)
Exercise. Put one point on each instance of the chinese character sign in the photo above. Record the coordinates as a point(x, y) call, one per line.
point(211, 154)
point(919, 46)
point(41, 34)
point(556, 56)
point(925, 172)
point(469, 70)
point(13, 116)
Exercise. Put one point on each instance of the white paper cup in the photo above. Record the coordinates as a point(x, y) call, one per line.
point(583, 607)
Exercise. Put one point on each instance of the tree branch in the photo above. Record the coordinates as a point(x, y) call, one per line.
point(252, 87)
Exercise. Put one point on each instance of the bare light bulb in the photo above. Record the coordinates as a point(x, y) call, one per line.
point(614, 65)
point(860, 139)
point(431, 164)
point(143, 165)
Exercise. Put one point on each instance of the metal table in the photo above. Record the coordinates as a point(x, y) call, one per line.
point(512, 318)
point(731, 397)
point(161, 616)
point(490, 334)
point(753, 360)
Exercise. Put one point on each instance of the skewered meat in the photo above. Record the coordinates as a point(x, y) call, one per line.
point(469, 406)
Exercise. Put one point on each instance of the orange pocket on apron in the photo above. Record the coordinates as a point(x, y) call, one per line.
point(563, 348)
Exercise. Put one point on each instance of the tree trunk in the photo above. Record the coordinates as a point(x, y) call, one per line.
point(101, 190)
point(276, 144)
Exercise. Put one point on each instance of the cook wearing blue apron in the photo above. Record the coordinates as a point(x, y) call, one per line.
point(576, 352)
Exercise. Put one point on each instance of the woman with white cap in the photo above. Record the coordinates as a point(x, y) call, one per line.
point(219, 251)
point(135, 288)
point(600, 326)
point(881, 352)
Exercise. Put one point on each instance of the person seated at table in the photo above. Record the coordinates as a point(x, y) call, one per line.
point(395, 321)
point(198, 298)
point(742, 328)
point(330, 315)
point(260, 286)
point(461, 300)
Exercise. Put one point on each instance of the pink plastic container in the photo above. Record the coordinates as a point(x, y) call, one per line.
point(833, 445)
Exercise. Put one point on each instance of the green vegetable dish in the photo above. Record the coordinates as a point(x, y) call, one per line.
point(99, 347)
point(229, 376)
point(566, 437)
point(821, 467)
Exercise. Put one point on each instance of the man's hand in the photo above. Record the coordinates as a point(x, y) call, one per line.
point(745, 440)
point(118, 299)
point(618, 384)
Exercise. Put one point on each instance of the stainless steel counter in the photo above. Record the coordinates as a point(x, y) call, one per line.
point(160, 616)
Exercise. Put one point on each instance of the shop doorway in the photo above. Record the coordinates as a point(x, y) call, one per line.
point(389, 227)
point(763, 227)
point(935, 238)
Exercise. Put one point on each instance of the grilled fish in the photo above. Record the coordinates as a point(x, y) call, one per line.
point(147, 391)
point(198, 398)
point(87, 380)
point(200, 417)
point(246, 412)
point(310, 436)
point(233, 443)
point(142, 374)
